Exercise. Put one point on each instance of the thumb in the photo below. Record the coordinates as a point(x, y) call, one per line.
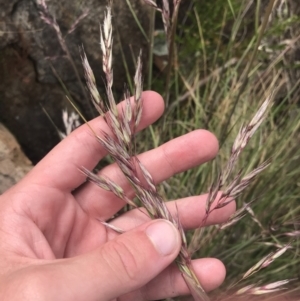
point(122, 265)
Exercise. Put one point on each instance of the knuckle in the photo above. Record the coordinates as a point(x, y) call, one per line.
point(168, 161)
point(123, 261)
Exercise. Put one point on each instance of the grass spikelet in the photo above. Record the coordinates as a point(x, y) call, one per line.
point(238, 215)
point(107, 184)
point(266, 261)
point(91, 84)
point(106, 42)
point(239, 183)
point(265, 289)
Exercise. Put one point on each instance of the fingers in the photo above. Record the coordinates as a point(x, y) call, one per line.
point(59, 169)
point(120, 266)
point(190, 211)
point(173, 157)
point(130, 262)
point(170, 283)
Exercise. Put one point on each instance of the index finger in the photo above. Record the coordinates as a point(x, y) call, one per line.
point(59, 169)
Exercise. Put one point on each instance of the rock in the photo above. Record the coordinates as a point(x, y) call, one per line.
point(37, 72)
point(8, 32)
point(14, 165)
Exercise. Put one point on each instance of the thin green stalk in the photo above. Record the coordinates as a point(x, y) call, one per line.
point(257, 18)
point(171, 53)
point(137, 20)
point(202, 42)
point(151, 45)
point(128, 76)
point(231, 8)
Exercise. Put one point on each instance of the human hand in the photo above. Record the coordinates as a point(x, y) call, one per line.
point(53, 246)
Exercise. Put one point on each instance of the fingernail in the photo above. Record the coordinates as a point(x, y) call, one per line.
point(164, 236)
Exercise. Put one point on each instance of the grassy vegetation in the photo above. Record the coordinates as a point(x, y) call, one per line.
point(213, 86)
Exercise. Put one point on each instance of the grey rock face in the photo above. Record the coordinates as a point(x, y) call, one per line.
point(13, 163)
point(36, 72)
point(8, 32)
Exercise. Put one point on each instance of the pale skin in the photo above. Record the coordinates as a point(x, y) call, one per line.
point(53, 246)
